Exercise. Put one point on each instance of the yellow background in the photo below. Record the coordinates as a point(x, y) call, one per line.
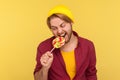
point(23, 27)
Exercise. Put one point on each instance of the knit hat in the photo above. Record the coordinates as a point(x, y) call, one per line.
point(62, 10)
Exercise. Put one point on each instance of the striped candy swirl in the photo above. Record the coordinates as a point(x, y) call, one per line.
point(58, 42)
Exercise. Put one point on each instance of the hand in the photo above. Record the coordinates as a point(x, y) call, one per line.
point(46, 60)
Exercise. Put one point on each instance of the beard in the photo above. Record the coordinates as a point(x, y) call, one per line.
point(68, 37)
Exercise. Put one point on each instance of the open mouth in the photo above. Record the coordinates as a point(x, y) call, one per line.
point(63, 35)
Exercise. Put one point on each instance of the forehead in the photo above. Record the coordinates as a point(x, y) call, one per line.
point(56, 21)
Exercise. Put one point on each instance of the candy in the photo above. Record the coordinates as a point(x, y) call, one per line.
point(58, 42)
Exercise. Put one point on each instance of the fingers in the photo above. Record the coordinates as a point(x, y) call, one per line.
point(50, 55)
point(46, 58)
point(47, 55)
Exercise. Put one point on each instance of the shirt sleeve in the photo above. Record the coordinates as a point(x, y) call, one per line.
point(38, 64)
point(91, 70)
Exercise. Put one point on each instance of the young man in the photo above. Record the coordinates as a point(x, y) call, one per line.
point(76, 60)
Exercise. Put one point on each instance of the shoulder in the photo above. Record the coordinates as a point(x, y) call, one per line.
point(87, 45)
point(85, 41)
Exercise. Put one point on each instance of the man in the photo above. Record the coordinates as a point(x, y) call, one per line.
point(76, 60)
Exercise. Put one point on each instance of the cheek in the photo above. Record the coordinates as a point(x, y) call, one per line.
point(54, 33)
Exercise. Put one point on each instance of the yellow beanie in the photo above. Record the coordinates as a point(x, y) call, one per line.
point(61, 9)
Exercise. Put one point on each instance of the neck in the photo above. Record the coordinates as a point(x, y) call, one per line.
point(71, 45)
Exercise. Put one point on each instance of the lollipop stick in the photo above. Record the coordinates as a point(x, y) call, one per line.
point(52, 49)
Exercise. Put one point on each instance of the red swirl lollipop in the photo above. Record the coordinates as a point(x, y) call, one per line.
point(58, 42)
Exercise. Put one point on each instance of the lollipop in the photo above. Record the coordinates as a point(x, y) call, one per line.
point(58, 42)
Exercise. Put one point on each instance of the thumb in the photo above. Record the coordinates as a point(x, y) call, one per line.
point(50, 55)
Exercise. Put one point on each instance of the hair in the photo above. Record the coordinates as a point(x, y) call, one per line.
point(61, 16)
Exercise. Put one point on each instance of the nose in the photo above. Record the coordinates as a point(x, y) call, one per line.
point(59, 31)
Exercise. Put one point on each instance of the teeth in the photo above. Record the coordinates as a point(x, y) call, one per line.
point(62, 35)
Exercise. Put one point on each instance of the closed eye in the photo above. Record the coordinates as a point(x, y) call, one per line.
point(63, 25)
point(53, 28)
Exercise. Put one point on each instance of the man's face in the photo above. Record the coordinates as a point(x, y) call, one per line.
point(61, 28)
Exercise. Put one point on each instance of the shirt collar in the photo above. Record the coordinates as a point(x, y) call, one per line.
point(78, 37)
